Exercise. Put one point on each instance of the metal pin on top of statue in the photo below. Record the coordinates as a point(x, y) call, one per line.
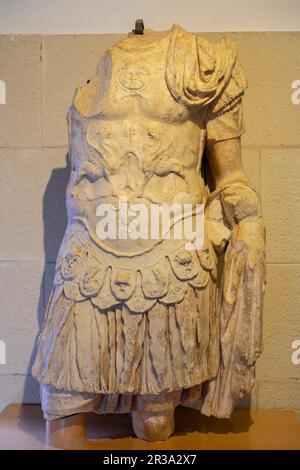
point(139, 27)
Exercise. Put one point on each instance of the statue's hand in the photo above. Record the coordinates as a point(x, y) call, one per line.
point(250, 237)
point(242, 209)
point(240, 202)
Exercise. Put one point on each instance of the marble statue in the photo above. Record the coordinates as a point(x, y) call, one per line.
point(142, 325)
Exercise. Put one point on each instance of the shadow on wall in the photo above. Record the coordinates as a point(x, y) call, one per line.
point(54, 222)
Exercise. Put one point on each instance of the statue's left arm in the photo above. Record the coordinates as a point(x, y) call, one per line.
point(243, 281)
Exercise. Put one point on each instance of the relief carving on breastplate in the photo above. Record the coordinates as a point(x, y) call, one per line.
point(131, 152)
point(134, 78)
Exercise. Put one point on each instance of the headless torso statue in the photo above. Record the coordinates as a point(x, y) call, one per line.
point(143, 325)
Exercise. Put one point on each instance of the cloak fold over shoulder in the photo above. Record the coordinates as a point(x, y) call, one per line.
point(200, 74)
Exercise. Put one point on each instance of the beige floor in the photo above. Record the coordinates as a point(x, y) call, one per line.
point(22, 427)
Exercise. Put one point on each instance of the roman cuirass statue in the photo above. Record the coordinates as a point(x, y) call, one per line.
point(142, 324)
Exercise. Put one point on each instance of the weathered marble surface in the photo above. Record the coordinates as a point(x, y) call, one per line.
point(143, 325)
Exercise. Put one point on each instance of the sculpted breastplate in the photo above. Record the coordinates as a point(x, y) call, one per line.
point(133, 139)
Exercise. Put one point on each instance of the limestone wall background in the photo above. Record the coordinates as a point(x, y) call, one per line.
point(41, 74)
